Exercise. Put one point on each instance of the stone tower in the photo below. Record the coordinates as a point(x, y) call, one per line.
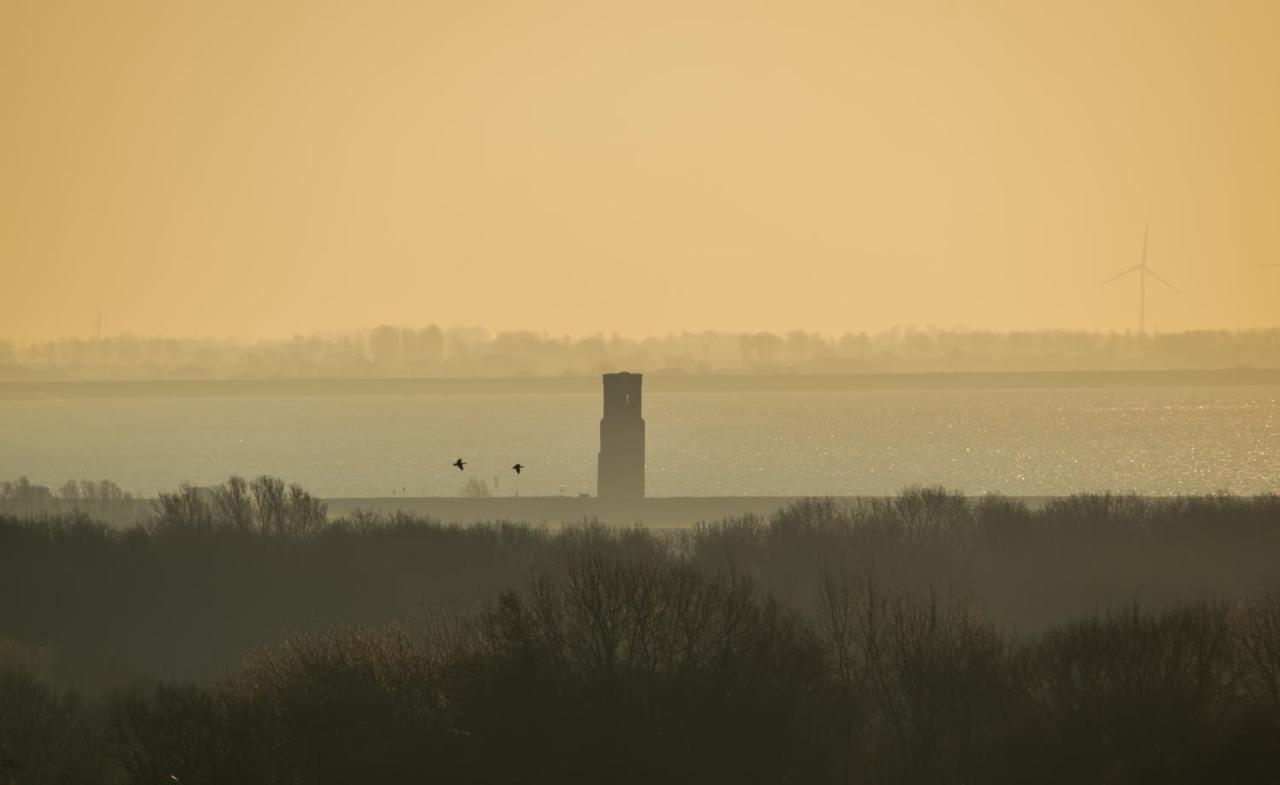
point(620, 471)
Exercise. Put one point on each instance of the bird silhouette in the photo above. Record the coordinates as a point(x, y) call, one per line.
point(518, 467)
point(460, 464)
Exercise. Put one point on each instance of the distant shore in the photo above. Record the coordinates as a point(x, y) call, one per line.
point(654, 383)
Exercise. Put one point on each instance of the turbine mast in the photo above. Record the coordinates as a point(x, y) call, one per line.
point(1142, 281)
point(1143, 272)
point(1142, 294)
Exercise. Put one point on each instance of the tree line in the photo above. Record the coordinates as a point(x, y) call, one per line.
point(239, 635)
point(392, 351)
point(624, 667)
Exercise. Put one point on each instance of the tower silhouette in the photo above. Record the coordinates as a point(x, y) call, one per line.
point(620, 471)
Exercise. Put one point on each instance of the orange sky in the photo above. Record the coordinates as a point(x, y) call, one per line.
point(269, 168)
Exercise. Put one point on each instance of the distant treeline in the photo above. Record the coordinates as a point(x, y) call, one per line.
point(102, 499)
point(471, 352)
point(830, 644)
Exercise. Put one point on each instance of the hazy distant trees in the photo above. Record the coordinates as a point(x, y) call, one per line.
point(423, 348)
point(760, 350)
point(474, 488)
point(266, 506)
point(102, 499)
point(71, 491)
point(390, 351)
point(22, 491)
point(87, 490)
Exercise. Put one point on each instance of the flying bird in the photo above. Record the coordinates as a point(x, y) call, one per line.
point(460, 464)
point(518, 467)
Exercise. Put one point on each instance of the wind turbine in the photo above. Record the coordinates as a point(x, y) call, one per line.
point(1143, 271)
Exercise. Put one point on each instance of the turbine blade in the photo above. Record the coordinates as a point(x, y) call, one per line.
point(1265, 266)
point(1159, 278)
point(1121, 274)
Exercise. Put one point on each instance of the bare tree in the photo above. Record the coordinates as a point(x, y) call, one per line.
point(475, 488)
point(271, 504)
point(233, 504)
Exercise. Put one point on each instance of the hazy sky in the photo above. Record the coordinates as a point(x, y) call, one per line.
point(267, 168)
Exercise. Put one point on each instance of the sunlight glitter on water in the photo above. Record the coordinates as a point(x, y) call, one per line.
point(1018, 442)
